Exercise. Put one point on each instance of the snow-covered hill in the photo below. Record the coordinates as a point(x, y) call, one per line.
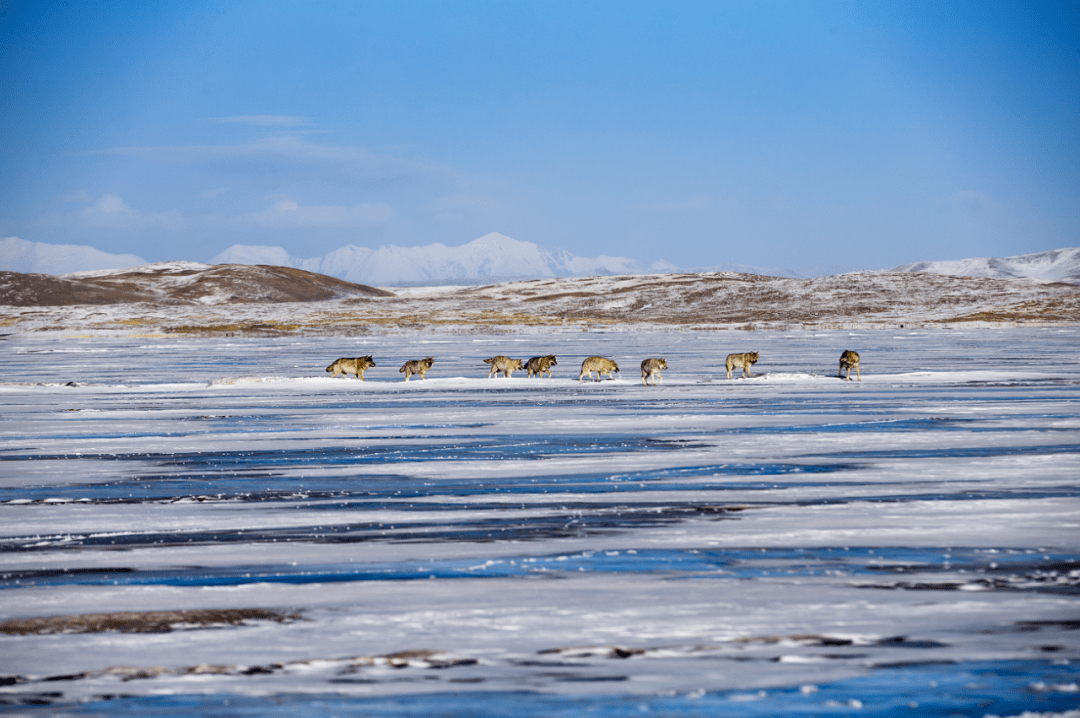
point(491, 257)
point(805, 272)
point(1057, 265)
point(19, 255)
point(181, 297)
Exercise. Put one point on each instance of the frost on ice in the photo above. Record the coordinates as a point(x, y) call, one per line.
point(188, 522)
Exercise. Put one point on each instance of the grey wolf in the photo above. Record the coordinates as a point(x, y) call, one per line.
point(355, 365)
point(416, 366)
point(600, 365)
point(744, 361)
point(849, 360)
point(539, 365)
point(650, 369)
point(506, 365)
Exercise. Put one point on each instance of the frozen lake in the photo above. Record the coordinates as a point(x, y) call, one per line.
point(784, 544)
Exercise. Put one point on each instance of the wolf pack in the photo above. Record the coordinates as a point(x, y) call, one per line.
point(538, 366)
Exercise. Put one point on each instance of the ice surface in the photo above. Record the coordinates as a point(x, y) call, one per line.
point(788, 543)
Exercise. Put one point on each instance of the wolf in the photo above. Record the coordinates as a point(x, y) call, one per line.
point(506, 365)
point(849, 360)
point(356, 365)
point(600, 365)
point(416, 366)
point(650, 369)
point(745, 361)
point(539, 365)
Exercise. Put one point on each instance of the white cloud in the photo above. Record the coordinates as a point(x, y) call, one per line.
point(972, 202)
point(292, 153)
point(455, 207)
point(78, 196)
point(287, 214)
point(109, 211)
point(265, 120)
point(694, 204)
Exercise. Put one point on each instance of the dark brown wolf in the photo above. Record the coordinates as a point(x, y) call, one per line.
point(506, 365)
point(539, 365)
point(355, 365)
point(650, 369)
point(416, 366)
point(849, 360)
point(744, 361)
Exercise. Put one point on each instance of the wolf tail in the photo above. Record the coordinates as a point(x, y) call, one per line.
point(401, 369)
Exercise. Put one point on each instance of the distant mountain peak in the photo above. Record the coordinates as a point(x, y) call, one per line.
point(497, 238)
point(20, 255)
point(1055, 265)
point(492, 256)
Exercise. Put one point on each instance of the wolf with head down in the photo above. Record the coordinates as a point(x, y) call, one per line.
point(416, 366)
point(355, 365)
point(743, 361)
point(539, 365)
point(600, 365)
point(849, 360)
point(506, 365)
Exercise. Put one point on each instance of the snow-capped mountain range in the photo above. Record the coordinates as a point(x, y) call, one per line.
point(19, 255)
point(490, 258)
point(1057, 265)
point(496, 257)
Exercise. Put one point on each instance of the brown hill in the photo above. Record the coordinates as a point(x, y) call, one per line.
point(178, 283)
point(247, 300)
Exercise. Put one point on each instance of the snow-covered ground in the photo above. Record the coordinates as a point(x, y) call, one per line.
point(784, 544)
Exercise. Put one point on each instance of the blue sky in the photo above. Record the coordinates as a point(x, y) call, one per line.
point(777, 134)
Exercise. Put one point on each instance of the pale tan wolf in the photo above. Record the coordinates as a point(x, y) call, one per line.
point(849, 360)
point(416, 366)
point(539, 365)
point(600, 365)
point(745, 361)
point(355, 365)
point(506, 365)
point(650, 369)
